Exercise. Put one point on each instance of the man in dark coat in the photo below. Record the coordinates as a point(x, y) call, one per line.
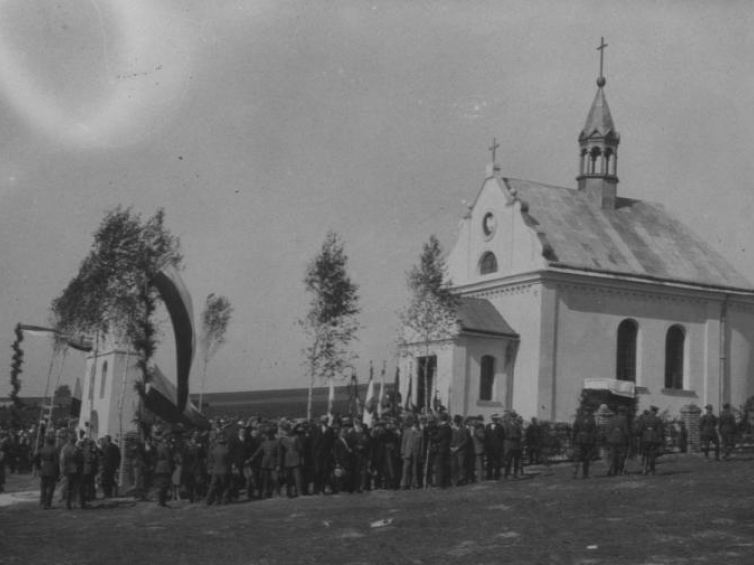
point(110, 465)
point(48, 463)
point(443, 439)
point(321, 446)
point(708, 432)
point(291, 459)
point(728, 429)
point(360, 443)
point(533, 440)
point(494, 447)
point(459, 440)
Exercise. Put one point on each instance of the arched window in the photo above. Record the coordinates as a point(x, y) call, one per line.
point(488, 263)
point(674, 354)
point(486, 377)
point(625, 363)
point(103, 380)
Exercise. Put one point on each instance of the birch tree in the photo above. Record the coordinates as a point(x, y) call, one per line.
point(331, 322)
point(215, 320)
point(431, 312)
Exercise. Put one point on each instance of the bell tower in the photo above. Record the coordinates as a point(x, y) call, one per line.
point(598, 148)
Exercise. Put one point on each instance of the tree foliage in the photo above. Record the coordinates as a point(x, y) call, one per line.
point(331, 322)
point(215, 320)
point(431, 312)
point(111, 294)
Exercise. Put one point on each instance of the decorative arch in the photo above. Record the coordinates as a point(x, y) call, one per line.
point(675, 353)
point(488, 263)
point(625, 362)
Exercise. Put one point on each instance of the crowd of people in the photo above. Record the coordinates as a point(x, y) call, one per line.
point(257, 458)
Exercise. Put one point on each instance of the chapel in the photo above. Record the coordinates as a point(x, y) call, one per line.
point(566, 288)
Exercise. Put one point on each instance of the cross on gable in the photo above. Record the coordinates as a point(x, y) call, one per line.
point(494, 148)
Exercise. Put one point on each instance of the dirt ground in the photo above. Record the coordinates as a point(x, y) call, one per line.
point(692, 511)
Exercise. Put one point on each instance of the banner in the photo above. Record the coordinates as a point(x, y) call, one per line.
point(615, 386)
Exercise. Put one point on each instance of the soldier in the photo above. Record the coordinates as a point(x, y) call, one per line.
point(48, 463)
point(89, 462)
point(219, 470)
point(512, 444)
point(291, 459)
point(708, 432)
point(163, 468)
point(618, 438)
point(70, 465)
point(584, 436)
point(728, 429)
point(652, 438)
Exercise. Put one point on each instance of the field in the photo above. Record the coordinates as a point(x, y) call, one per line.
point(691, 512)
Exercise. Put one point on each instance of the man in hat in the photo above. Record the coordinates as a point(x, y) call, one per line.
point(443, 439)
point(652, 437)
point(478, 441)
point(89, 463)
point(708, 432)
point(458, 443)
point(513, 444)
point(110, 463)
point(728, 428)
point(411, 453)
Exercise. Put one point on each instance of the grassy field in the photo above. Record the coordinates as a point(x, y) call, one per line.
point(692, 511)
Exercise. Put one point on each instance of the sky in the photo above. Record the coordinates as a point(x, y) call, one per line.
point(260, 125)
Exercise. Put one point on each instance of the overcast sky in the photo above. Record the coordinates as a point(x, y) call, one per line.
point(261, 125)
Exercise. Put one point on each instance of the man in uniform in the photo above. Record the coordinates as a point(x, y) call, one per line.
point(512, 444)
point(618, 438)
point(584, 436)
point(70, 465)
point(48, 463)
point(708, 432)
point(89, 462)
point(652, 438)
point(728, 429)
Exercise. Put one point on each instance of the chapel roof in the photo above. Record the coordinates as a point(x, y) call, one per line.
point(599, 122)
point(479, 315)
point(636, 238)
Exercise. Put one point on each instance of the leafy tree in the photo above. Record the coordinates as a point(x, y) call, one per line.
point(62, 392)
point(331, 323)
point(215, 319)
point(431, 313)
point(111, 294)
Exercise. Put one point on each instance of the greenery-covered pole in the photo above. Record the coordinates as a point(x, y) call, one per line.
point(431, 313)
point(215, 320)
point(331, 322)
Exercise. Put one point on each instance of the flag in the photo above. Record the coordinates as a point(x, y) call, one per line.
point(354, 402)
point(382, 392)
point(178, 303)
point(368, 414)
point(407, 406)
point(76, 399)
point(330, 401)
point(160, 398)
point(395, 395)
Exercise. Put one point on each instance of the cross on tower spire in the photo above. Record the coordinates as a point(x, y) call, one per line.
point(601, 80)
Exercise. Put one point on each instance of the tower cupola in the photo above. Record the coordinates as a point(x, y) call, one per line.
point(598, 148)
